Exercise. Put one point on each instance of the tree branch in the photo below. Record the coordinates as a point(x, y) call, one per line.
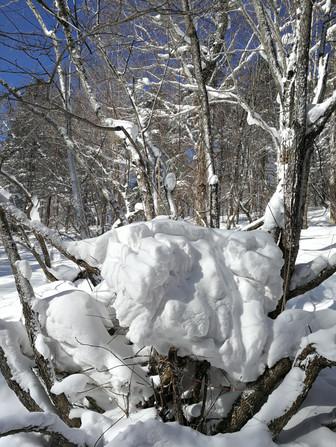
point(253, 398)
point(23, 396)
point(49, 235)
point(310, 275)
point(310, 362)
point(44, 423)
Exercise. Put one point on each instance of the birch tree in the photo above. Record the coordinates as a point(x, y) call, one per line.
point(303, 113)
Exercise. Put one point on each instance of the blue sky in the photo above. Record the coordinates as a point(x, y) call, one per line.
point(17, 66)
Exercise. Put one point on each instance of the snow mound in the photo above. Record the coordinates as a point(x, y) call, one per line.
point(205, 291)
point(76, 339)
point(154, 433)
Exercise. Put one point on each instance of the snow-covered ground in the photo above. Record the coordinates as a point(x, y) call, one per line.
point(304, 429)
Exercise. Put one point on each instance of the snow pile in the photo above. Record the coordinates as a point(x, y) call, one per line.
point(154, 433)
point(206, 292)
point(76, 337)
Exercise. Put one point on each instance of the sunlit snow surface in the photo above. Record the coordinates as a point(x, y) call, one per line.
point(206, 292)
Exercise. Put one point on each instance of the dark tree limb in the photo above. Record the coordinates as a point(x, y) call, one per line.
point(46, 233)
point(257, 393)
point(254, 397)
point(37, 256)
point(26, 295)
point(312, 282)
point(311, 362)
point(45, 424)
point(23, 396)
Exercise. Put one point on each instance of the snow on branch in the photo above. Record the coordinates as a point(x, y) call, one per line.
point(253, 118)
point(44, 423)
point(23, 395)
point(311, 274)
point(254, 225)
point(286, 400)
point(49, 235)
point(319, 114)
point(272, 404)
point(254, 397)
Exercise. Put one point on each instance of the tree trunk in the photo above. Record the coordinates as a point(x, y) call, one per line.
point(296, 150)
point(332, 175)
point(205, 119)
point(26, 295)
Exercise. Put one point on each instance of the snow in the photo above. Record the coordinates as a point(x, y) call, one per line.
point(4, 194)
point(170, 181)
point(205, 292)
point(213, 179)
point(24, 268)
point(15, 345)
point(282, 398)
point(331, 32)
point(41, 346)
point(73, 384)
point(274, 213)
point(79, 339)
point(34, 213)
point(154, 433)
point(318, 240)
point(43, 420)
point(318, 110)
point(292, 327)
point(65, 272)
point(306, 272)
point(208, 293)
point(131, 128)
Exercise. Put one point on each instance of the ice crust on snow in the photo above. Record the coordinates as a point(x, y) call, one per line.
point(207, 292)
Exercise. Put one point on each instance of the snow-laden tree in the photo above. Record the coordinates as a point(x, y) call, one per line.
point(291, 38)
point(164, 318)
